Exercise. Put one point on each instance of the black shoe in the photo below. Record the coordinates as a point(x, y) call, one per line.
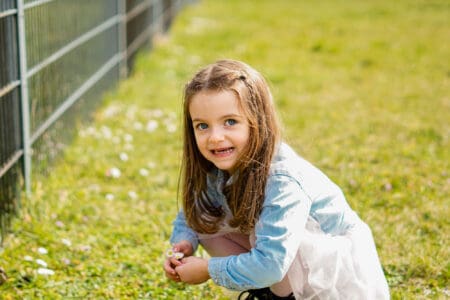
point(289, 297)
point(263, 294)
point(258, 294)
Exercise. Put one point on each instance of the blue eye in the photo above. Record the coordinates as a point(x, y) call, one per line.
point(230, 122)
point(202, 126)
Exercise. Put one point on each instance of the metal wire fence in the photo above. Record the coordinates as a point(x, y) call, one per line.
point(57, 57)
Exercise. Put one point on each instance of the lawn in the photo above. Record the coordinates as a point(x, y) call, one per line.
point(362, 88)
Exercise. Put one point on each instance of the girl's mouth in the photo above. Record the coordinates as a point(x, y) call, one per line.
point(222, 151)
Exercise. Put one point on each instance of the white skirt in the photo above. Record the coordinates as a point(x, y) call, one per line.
point(337, 267)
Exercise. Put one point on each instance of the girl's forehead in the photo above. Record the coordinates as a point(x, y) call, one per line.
point(217, 96)
point(208, 103)
point(210, 98)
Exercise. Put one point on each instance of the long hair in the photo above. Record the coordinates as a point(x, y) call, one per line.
point(245, 195)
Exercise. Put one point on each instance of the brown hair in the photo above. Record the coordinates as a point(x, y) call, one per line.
point(245, 196)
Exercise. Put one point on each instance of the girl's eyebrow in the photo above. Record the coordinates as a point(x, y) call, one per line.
point(197, 120)
point(231, 116)
point(222, 117)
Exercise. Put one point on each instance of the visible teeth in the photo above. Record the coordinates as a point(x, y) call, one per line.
point(224, 150)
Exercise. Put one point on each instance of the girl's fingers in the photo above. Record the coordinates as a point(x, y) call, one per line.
point(173, 277)
point(175, 262)
point(184, 247)
point(168, 267)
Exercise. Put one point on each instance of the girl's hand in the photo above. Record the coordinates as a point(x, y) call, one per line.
point(184, 247)
point(193, 270)
point(171, 263)
point(169, 268)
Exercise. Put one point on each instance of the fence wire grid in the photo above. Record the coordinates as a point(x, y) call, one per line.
point(57, 58)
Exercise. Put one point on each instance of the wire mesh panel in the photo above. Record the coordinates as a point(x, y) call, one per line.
point(48, 146)
point(53, 25)
point(10, 126)
point(57, 58)
point(10, 151)
point(10, 134)
point(10, 189)
point(168, 11)
point(8, 51)
point(60, 35)
point(52, 85)
point(140, 15)
point(7, 4)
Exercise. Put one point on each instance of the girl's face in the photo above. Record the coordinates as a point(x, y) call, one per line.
point(220, 127)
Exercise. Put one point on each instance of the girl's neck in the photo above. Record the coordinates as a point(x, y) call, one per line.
point(226, 175)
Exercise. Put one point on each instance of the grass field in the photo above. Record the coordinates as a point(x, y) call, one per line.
point(362, 88)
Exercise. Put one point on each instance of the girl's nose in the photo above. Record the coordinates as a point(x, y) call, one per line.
point(216, 135)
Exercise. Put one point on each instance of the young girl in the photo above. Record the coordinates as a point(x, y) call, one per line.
point(274, 225)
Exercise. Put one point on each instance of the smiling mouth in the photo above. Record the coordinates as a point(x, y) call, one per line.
point(222, 151)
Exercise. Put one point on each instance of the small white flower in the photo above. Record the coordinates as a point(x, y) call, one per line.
point(138, 126)
point(45, 271)
point(107, 133)
point(132, 194)
point(123, 156)
point(115, 140)
point(91, 130)
point(113, 172)
point(66, 242)
point(94, 188)
point(27, 258)
point(41, 262)
point(85, 248)
point(59, 224)
point(131, 112)
point(109, 197)
point(42, 250)
point(87, 131)
point(151, 165)
point(157, 113)
point(388, 187)
point(152, 125)
point(171, 128)
point(177, 255)
point(128, 147)
point(66, 261)
point(111, 111)
point(128, 138)
point(144, 172)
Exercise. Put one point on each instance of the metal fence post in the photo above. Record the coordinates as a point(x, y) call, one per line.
point(122, 39)
point(25, 110)
point(157, 16)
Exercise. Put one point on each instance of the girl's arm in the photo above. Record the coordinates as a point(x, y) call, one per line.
point(278, 234)
point(182, 232)
point(183, 239)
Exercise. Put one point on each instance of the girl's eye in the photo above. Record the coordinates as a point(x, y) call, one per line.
point(230, 122)
point(201, 126)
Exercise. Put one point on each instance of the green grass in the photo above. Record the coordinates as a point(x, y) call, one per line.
point(362, 88)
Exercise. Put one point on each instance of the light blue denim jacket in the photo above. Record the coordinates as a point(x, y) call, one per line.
point(295, 190)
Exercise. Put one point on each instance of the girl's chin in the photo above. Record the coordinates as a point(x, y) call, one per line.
point(225, 168)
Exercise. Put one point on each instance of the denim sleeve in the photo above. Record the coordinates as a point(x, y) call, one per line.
point(278, 233)
point(181, 231)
